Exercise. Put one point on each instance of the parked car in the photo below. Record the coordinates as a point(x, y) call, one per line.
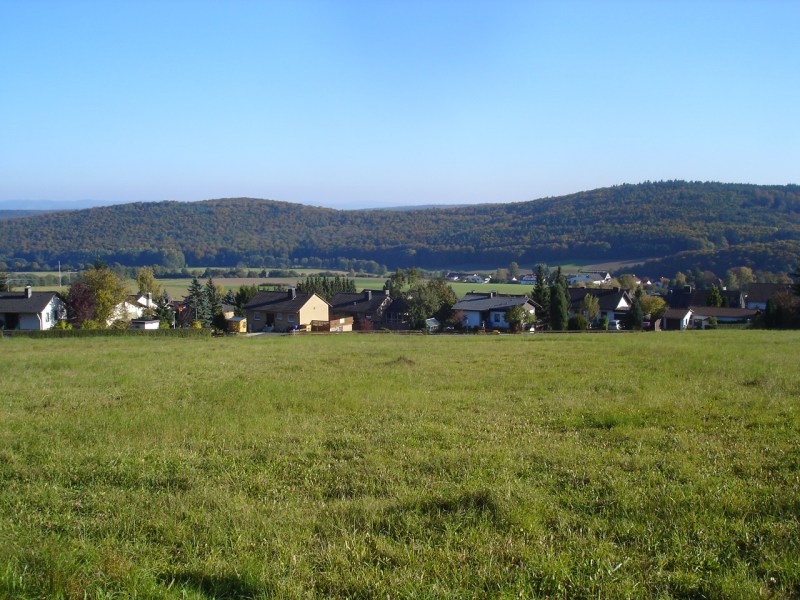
point(614, 325)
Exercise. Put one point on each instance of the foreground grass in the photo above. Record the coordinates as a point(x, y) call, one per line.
point(654, 465)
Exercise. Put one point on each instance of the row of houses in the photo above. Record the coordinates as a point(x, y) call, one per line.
point(688, 307)
point(292, 311)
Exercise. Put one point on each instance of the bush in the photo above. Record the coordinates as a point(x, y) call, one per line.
point(579, 323)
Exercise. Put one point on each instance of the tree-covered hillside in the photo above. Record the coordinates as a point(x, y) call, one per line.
point(650, 220)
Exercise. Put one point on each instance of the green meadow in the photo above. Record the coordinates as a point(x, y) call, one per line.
point(384, 466)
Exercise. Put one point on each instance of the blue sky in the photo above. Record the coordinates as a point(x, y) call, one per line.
point(365, 104)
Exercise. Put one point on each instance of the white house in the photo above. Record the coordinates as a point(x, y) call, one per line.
point(593, 277)
point(676, 319)
point(30, 310)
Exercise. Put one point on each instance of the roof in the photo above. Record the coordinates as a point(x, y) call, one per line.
point(491, 301)
point(761, 292)
point(279, 301)
point(609, 299)
point(724, 312)
point(18, 302)
point(677, 313)
point(689, 296)
point(366, 301)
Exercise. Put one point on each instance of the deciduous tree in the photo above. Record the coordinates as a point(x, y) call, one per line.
point(590, 307)
point(147, 283)
point(99, 291)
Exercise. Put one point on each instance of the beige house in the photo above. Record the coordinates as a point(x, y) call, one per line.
point(285, 311)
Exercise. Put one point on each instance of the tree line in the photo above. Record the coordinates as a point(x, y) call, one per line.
point(661, 219)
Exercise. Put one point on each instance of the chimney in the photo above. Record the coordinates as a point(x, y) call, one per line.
point(368, 294)
point(292, 293)
point(28, 291)
point(149, 299)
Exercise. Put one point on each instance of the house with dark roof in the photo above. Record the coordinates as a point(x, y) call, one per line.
point(759, 293)
point(723, 314)
point(366, 308)
point(615, 303)
point(688, 296)
point(488, 309)
point(29, 310)
point(285, 311)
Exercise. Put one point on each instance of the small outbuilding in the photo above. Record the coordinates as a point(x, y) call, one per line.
point(145, 324)
point(236, 324)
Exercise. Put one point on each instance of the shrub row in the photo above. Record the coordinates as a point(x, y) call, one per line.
point(66, 333)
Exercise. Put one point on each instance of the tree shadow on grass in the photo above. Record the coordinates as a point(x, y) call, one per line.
point(223, 587)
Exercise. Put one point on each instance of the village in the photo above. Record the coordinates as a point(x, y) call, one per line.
point(595, 301)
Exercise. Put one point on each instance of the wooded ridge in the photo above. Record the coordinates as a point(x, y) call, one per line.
point(690, 222)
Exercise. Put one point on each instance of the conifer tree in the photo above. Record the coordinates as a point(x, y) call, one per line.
point(714, 297)
point(198, 303)
point(541, 295)
point(635, 315)
point(559, 308)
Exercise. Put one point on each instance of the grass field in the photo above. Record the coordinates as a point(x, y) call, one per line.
point(365, 466)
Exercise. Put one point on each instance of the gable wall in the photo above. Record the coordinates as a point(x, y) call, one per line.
point(316, 309)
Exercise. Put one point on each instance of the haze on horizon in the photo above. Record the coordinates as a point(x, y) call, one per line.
point(362, 104)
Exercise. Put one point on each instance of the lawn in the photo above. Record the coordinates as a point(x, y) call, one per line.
point(364, 466)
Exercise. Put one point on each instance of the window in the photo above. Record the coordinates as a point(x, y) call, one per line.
point(256, 316)
point(290, 318)
point(496, 317)
point(279, 317)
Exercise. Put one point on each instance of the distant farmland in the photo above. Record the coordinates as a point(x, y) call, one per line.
point(361, 466)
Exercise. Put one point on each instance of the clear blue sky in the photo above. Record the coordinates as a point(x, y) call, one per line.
point(385, 103)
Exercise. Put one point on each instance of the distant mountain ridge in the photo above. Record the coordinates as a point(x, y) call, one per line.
point(704, 221)
point(18, 214)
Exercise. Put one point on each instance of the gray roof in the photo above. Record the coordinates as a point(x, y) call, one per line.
point(367, 301)
point(491, 301)
point(278, 301)
point(18, 302)
point(689, 296)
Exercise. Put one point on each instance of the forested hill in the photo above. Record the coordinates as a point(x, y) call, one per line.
point(651, 220)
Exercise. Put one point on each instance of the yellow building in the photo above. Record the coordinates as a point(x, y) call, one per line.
point(285, 311)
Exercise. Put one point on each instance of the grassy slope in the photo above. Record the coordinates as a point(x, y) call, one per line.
point(429, 467)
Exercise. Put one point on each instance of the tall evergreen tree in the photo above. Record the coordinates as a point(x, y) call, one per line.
point(714, 297)
point(198, 303)
point(214, 296)
point(541, 295)
point(635, 315)
point(559, 307)
point(242, 297)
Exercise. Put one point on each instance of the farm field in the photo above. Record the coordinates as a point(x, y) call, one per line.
point(360, 466)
